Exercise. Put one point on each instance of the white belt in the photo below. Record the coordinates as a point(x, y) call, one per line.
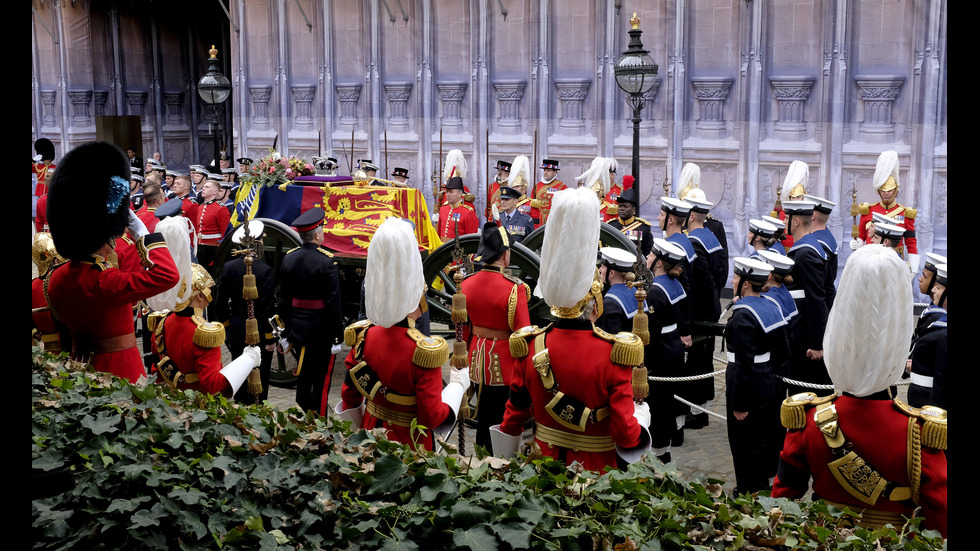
point(668, 329)
point(921, 380)
point(761, 358)
point(210, 236)
point(799, 293)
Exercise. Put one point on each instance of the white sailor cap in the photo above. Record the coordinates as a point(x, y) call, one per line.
point(775, 222)
point(255, 229)
point(889, 231)
point(671, 251)
point(752, 269)
point(798, 207)
point(933, 260)
point(229, 170)
point(820, 204)
point(879, 218)
point(676, 207)
point(198, 168)
point(941, 275)
point(780, 264)
point(617, 259)
point(698, 201)
point(763, 228)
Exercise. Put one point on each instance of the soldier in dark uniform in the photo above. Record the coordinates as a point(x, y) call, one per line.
point(311, 310)
point(866, 450)
point(619, 301)
point(691, 188)
point(750, 383)
point(231, 309)
point(810, 291)
point(517, 224)
point(821, 214)
point(928, 363)
point(630, 225)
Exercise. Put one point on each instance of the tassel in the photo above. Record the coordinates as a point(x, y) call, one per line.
point(254, 382)
point(855, 233)
point(252, 331)
point(459, 360)
point(459, 300)
point(934, 429)
point(518, 345)
point(640, 320)
point(249, 290)
point(627, 350)
point(641, 385)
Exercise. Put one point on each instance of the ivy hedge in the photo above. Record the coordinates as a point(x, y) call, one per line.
point(158, 469)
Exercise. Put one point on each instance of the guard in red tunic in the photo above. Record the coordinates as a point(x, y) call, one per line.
point(573, 378)
point(543, 192)
point(496, 306)
point(865, 449)
point(44, 256)
point(886, 183)
point(212, 217)
point(455, 217)
point(188, 347)
point(42, 169)
point(493, 190)
point(610, 206)
point(394, 376)
point(90, 297)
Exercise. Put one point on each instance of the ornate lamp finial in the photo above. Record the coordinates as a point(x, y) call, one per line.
point(635, 21)
point(214, 51)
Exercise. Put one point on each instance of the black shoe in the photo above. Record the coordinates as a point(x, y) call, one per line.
point(695, 422)
point(678, 439)
point(665, 458)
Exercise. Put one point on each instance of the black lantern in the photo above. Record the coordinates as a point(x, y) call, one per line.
point(214, 88)
point(636, 73)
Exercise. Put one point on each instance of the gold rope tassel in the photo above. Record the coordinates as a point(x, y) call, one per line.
point(641, 323)
point(254, 382)
point(641, 384)
point(459, 300)
point(459, 361)
point(251, 331)
point(249, 290)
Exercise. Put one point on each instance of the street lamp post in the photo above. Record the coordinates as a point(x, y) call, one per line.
point(214, 88)
point(635, 74)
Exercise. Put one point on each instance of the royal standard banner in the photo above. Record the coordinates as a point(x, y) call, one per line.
point(353, 213)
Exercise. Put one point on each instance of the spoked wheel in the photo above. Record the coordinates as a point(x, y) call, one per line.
point(608, 237)
point(438, 271)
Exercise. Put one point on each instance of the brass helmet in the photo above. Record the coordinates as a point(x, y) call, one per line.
point(201, 283)
point(43, 253)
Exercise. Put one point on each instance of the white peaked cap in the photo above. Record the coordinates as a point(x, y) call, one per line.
point(798, 173)
point(393, 280)
point(887, 167)
point(455, 159)
point(568, 254)
point(520, 166)
point(174, 230)
point(865, 345)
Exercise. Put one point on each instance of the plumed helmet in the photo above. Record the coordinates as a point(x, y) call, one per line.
point(43, 253)
point(87, 202)
point(690, 180)
point(886, 171)
point(866, 342)
point(568, 277)
point(455, 165)
point(393, 280)
point(520, 172)
point(796, 181)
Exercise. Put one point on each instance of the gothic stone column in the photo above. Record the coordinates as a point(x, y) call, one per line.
point(451, 94)
point(348, 94)
point(878, 94)
point(712, 93)
point(398, 94)
point(790, 93)
point(509, 95)
point(572, 93)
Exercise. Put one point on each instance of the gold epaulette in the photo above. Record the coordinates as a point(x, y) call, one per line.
point(469, 207)
point(469, 197)
point(324, 251)
point(155, 319)
point(792, 413)
point(354, 332)
point(294, 249)
point(208, 334)
point(535, 203)
point(518, 339)
point(864, 208)
point(627, 348)
point(910, 213)
point(430, 352)
point(933, 423)
point(642, 221)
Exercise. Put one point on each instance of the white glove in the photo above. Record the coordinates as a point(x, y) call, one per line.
point(254, 353)
point(856, 243)
point(237, 371)
point(136, 226)
point(37, 158)
point(503, 444)
point(335, 349)
point(460, 377)
point(914, 260)
point(495, 212)
point(435, 217)
point(355, 414)
point(283, 345)
point(641, 412)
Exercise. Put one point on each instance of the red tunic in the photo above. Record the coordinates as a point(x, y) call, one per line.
point(448, 215)
point(211, 222)
point(188, 208)
point(582, 368)
point(41, 220)
point(42, 171)
point(178, 332)
point(879, 434)
point(543, 193)
point(897, 213)
point(42, 321)
point(611, 199)
point(94, 301)
point(388, 351)
point(493, 192)
point(489, 305)
point(148, 216)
